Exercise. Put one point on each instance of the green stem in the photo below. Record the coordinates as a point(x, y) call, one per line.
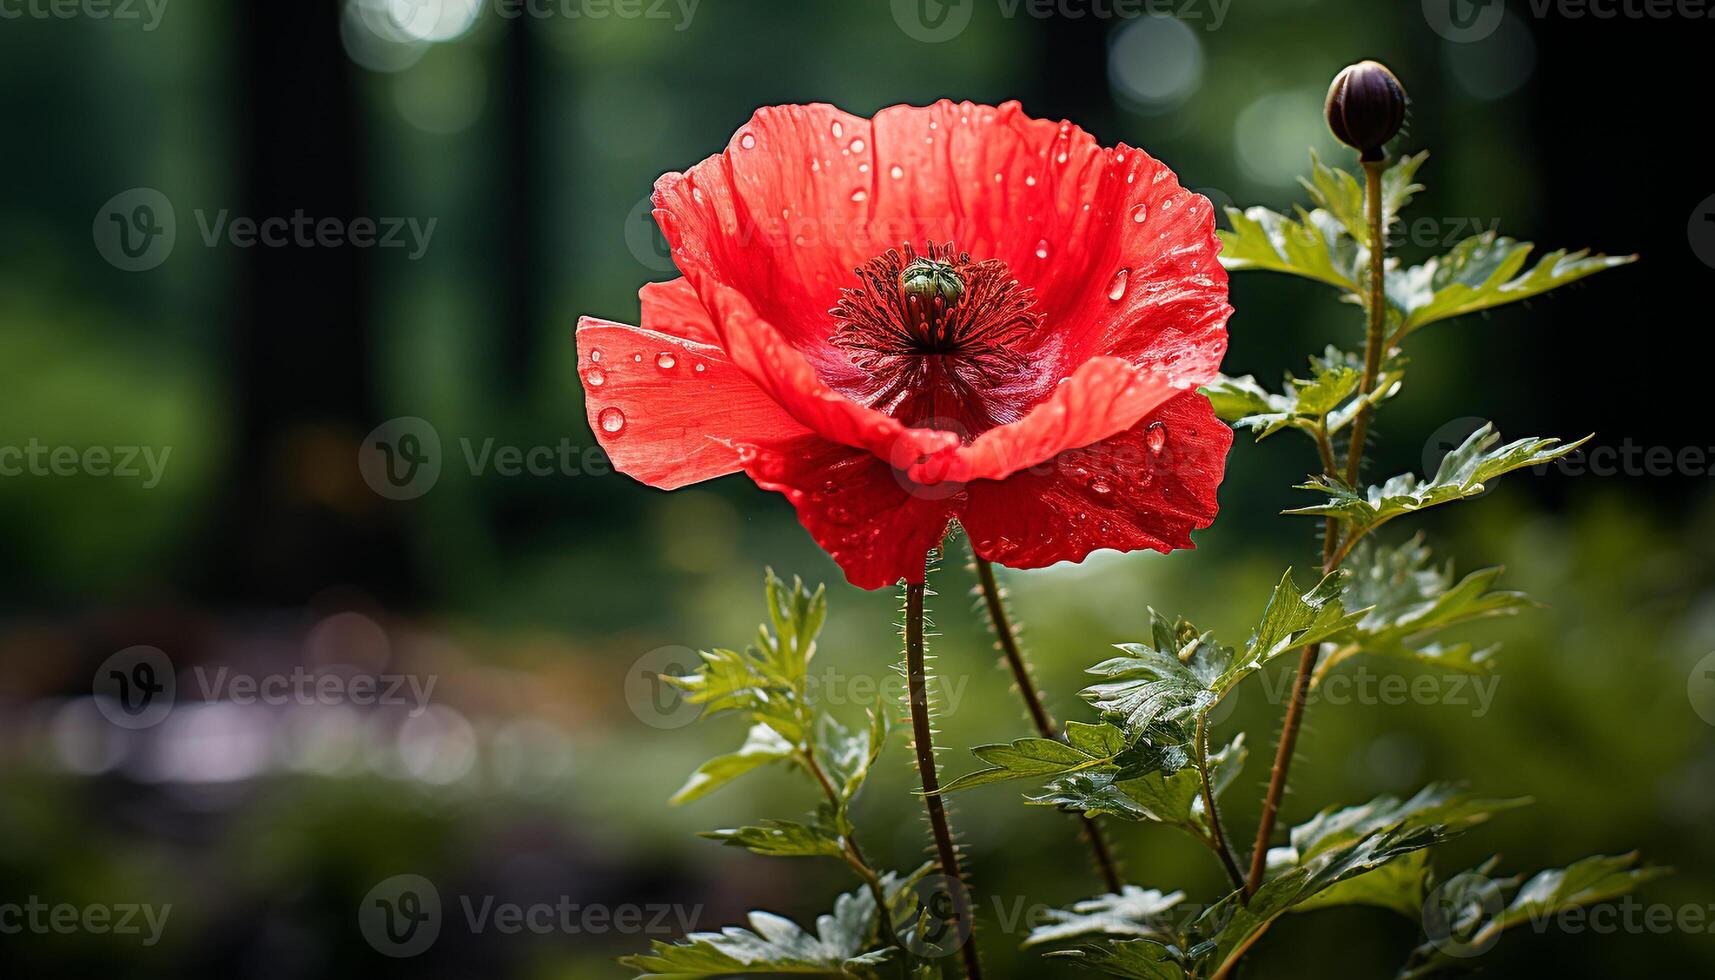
point(1007, 638)
point(922, 731)
point(1217, 833)
point(1374, 342)
point(854, 854)
point(1333, 551)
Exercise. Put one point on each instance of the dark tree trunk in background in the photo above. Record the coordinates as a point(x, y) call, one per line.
point(520, 185)
point(298, 518)
point(1073, 73)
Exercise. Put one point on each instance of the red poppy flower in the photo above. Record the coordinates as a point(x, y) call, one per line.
point(945, 313)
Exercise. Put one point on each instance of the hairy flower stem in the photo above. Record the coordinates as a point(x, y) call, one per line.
point(923, 741)
point(1007, 638)
point(1333, 553)
point(1217, 832)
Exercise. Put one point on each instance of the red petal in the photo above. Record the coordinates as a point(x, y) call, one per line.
point(856, 507)
point(781, 371)
point(1104, 397)
point(660, 404)
point(674, 308)
point(1121, 493)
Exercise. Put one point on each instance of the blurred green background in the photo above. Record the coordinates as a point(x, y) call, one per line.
point(539, 772)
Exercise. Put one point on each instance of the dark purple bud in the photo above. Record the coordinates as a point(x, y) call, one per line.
point(1366, 105)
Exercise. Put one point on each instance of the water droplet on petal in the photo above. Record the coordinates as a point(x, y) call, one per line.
point(595, 377)
point(1030, 181)
point(1100, 485)
point(859, 196)
point(839, 130)
point(1156, 436)
point(665, 361)
point(1042, 249)
point(858, 146)
point(701, 368)
point(1116, 290)
point(747, 141)
point(638, 358)
point(1140, 213)
point(611, 420)
point(595, 355)
point(898, 172)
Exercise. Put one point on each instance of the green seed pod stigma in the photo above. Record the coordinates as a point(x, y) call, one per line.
point(930, 288)
point(1365, 108)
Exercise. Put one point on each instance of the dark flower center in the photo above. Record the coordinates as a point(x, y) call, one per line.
point(939, 336)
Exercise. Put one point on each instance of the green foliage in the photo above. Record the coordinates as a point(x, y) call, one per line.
point(1480, 273)
point(1134, 912)
point(1321, 405)
point(1182, 674)
point(1409, 601)
point(1465, 472)
point(839, 946)
point(768, 683)
point(1473, 909)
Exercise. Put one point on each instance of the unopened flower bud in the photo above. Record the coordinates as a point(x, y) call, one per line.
point(1366, 105)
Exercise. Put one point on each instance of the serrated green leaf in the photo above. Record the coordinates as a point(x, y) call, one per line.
point(1471, 906)
point(891, 963)
point(1480, 273)
point(1086, 747)
point(1410, 599)
point(772, 945)
point(785, 838)
point(776, 945)
point(848, 756)
point(761, 746)
point(1134, 912)
point(1153, 687)
point(1174, 798)
point(1314, 245)
point(1464, 472)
